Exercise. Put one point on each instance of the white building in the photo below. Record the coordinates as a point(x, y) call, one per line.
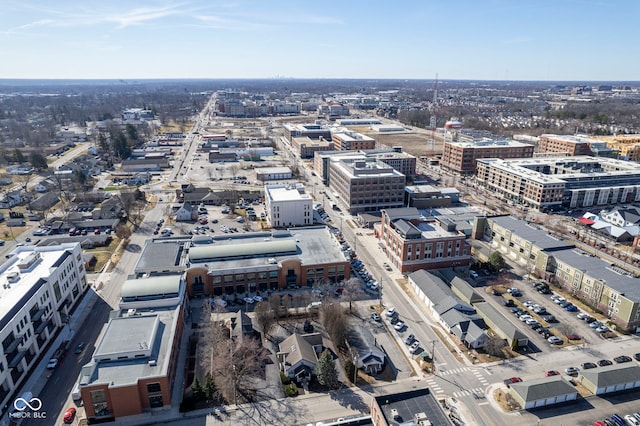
point(40, 287)
point(288, 205)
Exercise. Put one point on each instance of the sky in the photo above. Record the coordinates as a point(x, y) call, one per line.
point(553, 40)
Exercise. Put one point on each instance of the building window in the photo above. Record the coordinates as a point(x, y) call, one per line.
point(155, 401)
point(153, 388)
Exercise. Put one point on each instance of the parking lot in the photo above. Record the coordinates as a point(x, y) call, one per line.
point(550, 319)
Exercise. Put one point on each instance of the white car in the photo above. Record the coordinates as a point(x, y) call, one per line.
point(525, 317)
point(257, 299)
point(53, 363)
point(391, 311)
point(399, 325)
point(248, 300)
point(414, 347)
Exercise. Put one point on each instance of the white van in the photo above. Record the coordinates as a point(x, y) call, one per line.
point(75, 394)
point(314, 305)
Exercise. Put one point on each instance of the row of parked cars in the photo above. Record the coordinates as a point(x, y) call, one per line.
point(617, 420)
point(621, 359)
point(400, 326)
point(371, 285)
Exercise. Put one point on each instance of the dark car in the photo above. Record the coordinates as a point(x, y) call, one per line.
point(604, 362)
point(307, 327)
point(409, 340)
point(622, 358)
point(588, 365)
point(394, 319)
point(79, 348)
point(637, 356)
point(508, 303)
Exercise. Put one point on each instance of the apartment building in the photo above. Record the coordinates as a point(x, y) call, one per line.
point(569, 145)
point(312, 131)
point(597, 283)
point(246, 264)
point(288, 205)
point(569, 182)
point(133, 368)
point(40, 288)
point(413, 242)
point(627, 146)
point(461, 157)
point(366, 184)
point(351, 141)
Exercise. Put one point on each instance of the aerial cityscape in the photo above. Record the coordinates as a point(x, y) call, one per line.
point(237, 213)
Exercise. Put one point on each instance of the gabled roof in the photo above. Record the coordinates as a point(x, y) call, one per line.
point(297, 348)
point(465, 290)
point(431, 285)
point(546, 387)
point(612, 375)
point(474, 332)
point(406, 228)
point(503, 323)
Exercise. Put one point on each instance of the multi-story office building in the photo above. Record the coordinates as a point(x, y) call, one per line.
point(307, 147)
point(594, 281)
point(562, 181)
point(366, 184)
point(133, 369)
point(461, 157)
point(246, 264)
point(288, 205)
point(412, 242)
point(40, 288)
point(569, 145)
point(400, 161)
point(312, 131)
point(352, 141)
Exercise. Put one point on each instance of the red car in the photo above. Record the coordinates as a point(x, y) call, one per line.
point(69, 415)
point(512, 380)
point(552, 373)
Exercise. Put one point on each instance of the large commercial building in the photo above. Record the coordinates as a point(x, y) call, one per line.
point(366, 184)
point(400, 161)
point(562, 181)
point(273, 173)
point(461, 157)
point(413, 242)
point(606, 288)
point(132, 370)
point(569, 145)
point(40, 288)
point(313, 131)
point(288, 205)
point(351, 141)
point(307, 147)
point(247, 264)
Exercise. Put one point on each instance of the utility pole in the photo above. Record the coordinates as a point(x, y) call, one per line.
point(380, 292)
point(433, 356)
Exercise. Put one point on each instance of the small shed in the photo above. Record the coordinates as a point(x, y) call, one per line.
point(543, 392)
point(612, 378)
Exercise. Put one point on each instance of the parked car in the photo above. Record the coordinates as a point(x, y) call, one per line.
point(604, 362)
point(552, 373)
point(399, 326)
point(394, 319)
point(409, 340)
point(571, 308)
point(512, 380)
point(572, 371)
point(79, 348)
point(257, 299)
point(637, 356)
point(414, 347)
point(508, 303)
point(582, 316)
point(375, 317)
point(69, 415)
point(588, 365)
point(602, 329)
point(53, 363)
point(386, 266)
point(573, 337)
point(391, 311)
point(554, 340)
point(596, 324)
point(622, 358)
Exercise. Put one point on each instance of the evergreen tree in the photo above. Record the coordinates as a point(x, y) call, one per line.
point(326, 371)
point(38, 161)
point(198, 392)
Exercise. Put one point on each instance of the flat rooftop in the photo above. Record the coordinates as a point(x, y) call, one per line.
point(409, 404)
point(160, 255)
point(133, 346)
point(21, 273)
point(491, 144)
point(264, 250)
point(285, 193)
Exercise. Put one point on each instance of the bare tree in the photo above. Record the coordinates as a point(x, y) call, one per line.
point(245, 357)
point(495, 345)
point(333, 319)
point(265, 318)
point(234, 169)
point(123, 232)
point(352, 291)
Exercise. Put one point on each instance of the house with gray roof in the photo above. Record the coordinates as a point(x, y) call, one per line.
point(370, 357)
point(298, 355)
point(543, 392)
point(612, 378)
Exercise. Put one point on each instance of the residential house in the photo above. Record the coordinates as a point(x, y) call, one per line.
point(369, 356)
point(187, 213)
point(110, 208)
point(14, 198)
point(241, 326)
point(44, 202)
point(298, 355)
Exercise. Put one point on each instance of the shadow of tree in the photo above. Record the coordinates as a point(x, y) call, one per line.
point(347, 398)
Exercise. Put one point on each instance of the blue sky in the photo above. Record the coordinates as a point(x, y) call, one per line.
point(464, 39)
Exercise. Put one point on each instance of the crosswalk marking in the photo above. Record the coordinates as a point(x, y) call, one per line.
point(467, 392)
point(453, 371)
